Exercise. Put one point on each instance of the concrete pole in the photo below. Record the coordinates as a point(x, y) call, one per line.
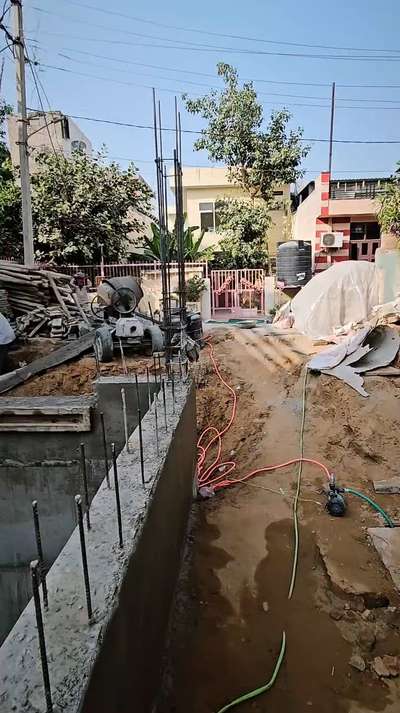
point(22, 122)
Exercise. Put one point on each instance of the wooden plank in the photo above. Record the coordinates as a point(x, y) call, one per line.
point(385, 371)
point(65, 353)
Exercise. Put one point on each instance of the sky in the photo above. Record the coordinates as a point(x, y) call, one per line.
point(115, 52)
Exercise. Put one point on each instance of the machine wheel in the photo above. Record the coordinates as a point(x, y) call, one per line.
point(103, 344)
point(156, 336)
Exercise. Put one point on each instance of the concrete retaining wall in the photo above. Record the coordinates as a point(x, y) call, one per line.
point(46, 467)
point(112, 665)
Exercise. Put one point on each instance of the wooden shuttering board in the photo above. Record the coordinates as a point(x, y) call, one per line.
point(46, 414)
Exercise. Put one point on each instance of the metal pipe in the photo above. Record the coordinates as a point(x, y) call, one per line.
point(117, 500)
point(141, 446)
point(124, 413)
point(78, 503)
point(39, 549)
point(35, 575)
point(164, 404)
point(103, 432)
point(85, 484)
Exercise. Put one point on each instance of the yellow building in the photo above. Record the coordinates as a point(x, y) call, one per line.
point(203, 187)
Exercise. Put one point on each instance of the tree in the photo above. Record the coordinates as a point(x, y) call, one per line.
point(389, 214)
point(244, 224)
point(11, 243)
point(80, 203)
point(258, 160)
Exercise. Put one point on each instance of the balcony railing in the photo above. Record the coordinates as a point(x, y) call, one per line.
point(349, 190)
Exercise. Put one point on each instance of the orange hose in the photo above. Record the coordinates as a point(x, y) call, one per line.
point(206, 475)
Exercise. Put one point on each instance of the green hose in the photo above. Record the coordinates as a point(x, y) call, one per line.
point(375, 505)
point(262, 689)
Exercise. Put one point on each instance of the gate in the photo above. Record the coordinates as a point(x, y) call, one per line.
point(237, 293)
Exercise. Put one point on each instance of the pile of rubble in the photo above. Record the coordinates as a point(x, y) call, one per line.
point(42, 302)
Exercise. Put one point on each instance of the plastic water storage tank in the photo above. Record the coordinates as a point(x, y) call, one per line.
point(293, 263)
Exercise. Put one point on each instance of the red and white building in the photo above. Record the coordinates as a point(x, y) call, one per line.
point(339, 217)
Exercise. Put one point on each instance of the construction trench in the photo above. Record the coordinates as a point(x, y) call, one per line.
point(189, 614)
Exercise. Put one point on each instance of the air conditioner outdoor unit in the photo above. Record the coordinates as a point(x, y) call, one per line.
point(332, 240)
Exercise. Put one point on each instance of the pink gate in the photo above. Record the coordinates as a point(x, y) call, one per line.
point(237, 293)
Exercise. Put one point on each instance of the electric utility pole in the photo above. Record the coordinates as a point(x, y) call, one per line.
point(332, 124)
point(22, 126)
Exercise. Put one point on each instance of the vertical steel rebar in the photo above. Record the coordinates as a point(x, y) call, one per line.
point(137, 391)
point(141, 446)
point(35, 575)
point(85, 484)
point(78, 503)
point(180, 367)
point(164, 404)
point(156, 424)
point(125, 417)
point(117, 500)
point(96, 358)
point(124, 367)
point(148, 386)
point(173, 390)
point(39, 549)
point(159, 365)
point(103, 433)
point(155, 369)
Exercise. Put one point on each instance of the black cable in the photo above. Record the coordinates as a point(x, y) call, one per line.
point(192, 46)
point(219, 34)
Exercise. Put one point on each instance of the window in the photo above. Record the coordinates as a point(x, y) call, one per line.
point(208, 216)
point(78, 146)
point(364, 231)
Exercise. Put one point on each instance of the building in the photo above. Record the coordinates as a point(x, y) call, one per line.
point(202, 187)
point(47, 132)
point(339, 217)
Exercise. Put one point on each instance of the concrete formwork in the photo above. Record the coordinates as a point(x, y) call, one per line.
point(113, 665)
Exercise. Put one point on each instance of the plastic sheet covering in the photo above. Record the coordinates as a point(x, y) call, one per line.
point(342, 295)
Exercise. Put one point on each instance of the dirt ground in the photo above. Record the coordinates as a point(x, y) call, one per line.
point(76, 377)
point(232, 603)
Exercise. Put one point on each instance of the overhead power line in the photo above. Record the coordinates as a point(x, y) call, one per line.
point(224, 35)
point(202, 84)
point(192, 46)
point(183, 91)
point(192, 131)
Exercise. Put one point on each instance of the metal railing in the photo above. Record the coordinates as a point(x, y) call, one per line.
point(349, 190)
point(120, 269)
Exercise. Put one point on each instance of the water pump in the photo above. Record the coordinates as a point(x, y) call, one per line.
point(336, 504)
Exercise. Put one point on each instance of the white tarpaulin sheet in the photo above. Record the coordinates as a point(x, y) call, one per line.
point(345, 293)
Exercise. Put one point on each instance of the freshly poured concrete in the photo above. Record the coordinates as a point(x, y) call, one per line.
point(112, 665)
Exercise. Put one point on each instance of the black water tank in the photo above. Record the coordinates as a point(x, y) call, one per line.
point(293, 263)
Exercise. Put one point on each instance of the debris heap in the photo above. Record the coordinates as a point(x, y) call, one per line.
point(41, 300)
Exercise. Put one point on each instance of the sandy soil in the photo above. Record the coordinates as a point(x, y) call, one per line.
point(76, 377)
point(232, 603)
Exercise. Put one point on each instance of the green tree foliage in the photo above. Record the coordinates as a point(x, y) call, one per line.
point(244, 225)
point(257, 159)
point(80, 203)
point(389, 214)
point(10, 199)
